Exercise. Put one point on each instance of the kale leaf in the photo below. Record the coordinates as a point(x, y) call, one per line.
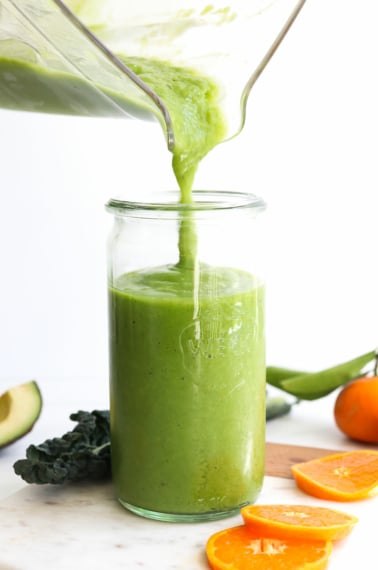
point(81, 454)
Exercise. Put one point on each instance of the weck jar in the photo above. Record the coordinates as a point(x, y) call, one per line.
point(187, 354)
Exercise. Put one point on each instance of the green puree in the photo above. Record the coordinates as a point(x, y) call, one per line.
point(192, 101)
point(187, 386)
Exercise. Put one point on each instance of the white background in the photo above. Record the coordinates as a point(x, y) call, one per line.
point(309, 149)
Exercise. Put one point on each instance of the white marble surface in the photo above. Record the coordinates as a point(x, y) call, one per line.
point(82, 526)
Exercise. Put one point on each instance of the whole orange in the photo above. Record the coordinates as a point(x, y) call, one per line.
point(356, 409)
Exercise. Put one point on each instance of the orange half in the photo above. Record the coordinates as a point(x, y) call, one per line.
point(298, 521)
point(348, 476)
point(238, 548)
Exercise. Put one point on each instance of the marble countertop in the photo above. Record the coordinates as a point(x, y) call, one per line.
point(82, 526)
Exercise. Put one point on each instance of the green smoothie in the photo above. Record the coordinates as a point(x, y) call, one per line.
point(187, 389)
point(31, 86)
point(193, 102)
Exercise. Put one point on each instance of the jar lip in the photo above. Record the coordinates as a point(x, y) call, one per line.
point(203, 201)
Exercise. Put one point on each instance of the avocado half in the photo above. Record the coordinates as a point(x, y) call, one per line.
point(20, 407)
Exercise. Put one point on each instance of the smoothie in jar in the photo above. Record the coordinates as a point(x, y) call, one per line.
point(188, 383)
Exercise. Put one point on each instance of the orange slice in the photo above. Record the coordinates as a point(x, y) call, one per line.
point(348, 476)
point(238, 548)
point(298, 521)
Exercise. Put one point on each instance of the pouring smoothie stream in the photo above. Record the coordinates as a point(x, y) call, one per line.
point(186, 299)
point(186, 343)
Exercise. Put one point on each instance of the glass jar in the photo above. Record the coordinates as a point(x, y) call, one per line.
point(187, 354)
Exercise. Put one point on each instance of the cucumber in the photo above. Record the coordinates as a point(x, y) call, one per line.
point(277, 406)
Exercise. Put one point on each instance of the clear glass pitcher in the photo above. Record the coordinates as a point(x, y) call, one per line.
point(62, 57)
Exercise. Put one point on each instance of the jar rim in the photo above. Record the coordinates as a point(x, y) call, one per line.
point(203, 201)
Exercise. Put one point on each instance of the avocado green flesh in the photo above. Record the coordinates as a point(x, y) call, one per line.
point(20, 408)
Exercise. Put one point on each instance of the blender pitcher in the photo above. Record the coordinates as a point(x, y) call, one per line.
point(62, 58)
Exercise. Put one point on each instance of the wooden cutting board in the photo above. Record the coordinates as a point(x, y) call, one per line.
point(280, 456)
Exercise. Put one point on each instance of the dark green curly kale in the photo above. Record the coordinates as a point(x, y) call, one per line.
point(83, 453)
